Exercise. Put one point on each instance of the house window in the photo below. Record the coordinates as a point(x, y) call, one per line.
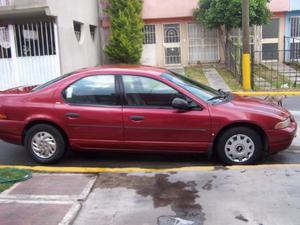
point(93, 31)
point(172, 33)
point(295, 26)
point(149, 34)
point(5, 50)
point(35, 39)
point(271, 30)
point(77, 30)
point(270, 51)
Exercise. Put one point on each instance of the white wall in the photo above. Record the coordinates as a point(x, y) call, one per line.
point(149, 55)
point(73, 54)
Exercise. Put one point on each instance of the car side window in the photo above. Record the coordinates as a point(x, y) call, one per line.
point(92, 90)
point(144, 91)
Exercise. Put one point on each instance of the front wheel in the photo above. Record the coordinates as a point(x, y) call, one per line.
point(239, 146)
point(45, 143)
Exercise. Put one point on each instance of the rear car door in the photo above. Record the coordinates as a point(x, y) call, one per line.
point(151, 123)
point(92, 112)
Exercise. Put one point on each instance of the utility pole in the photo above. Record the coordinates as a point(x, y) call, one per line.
point(246, 47)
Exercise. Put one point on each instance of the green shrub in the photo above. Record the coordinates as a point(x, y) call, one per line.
point(126, 36)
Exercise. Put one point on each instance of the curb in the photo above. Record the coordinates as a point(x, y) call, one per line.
point(147, 170)
point(264, 93)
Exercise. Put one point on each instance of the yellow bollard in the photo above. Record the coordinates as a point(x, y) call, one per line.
point(246, 72)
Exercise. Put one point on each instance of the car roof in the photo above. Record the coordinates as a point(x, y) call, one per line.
point(125, 68)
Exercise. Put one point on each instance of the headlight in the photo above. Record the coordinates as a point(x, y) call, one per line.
point(283, 124)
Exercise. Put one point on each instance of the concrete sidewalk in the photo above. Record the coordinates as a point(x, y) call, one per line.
point(265, 194)
point(215, 80)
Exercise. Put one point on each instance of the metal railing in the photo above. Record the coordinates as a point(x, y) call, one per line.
point(275, 70)
point(233, 60)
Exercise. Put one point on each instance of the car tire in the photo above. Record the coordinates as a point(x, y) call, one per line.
point(239, 146)
point(45, 143)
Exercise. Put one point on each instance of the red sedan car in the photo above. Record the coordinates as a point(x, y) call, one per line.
point(140, 108)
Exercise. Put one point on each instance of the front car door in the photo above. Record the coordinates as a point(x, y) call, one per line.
point(151, 123)
point(92, 112)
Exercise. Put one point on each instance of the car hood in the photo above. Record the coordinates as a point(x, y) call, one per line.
point(256, 105)
point(18, 90)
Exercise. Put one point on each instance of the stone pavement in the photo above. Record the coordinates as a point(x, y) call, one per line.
point(215, 80)
point(46, 199)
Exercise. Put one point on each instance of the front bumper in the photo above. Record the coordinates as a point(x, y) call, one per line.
point(281, 139)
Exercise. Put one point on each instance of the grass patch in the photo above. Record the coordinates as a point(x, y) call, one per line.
point(9, 176)
point(196, 73)
point(229, 79)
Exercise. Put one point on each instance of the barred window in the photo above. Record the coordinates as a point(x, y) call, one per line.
point(36, 39)
point(5, 50)
point(149, 34)
point(295, 26)
point(172, 33)
point(77, 29)
point(93, 31)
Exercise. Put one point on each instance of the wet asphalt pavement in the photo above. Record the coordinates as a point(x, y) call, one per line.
point(16, 155)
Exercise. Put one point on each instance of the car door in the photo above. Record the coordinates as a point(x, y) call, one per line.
point(92, 112)
point(151, 123)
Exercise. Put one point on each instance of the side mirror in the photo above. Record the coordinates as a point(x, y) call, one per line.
point(179, 103)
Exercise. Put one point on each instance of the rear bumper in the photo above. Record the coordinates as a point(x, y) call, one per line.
point(11, 131)
point(280, 140)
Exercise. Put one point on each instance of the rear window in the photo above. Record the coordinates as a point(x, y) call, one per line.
point(39, 87)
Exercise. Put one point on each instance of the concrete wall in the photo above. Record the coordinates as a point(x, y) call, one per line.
point(295, 5)
point(280, 5)
point(155, 9)
point(73, 54)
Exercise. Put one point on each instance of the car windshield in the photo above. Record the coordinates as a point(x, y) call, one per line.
point(201, 91)
point(39, 87)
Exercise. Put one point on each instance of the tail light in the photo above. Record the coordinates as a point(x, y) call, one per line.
point(3, 116)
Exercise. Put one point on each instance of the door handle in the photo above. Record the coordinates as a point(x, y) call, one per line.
point(72, 115)
point(136, 118)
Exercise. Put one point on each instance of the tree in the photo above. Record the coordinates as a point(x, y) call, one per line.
point(126, 36)
point(227, 14)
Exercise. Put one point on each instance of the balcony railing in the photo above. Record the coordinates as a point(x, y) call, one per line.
point(5, 3)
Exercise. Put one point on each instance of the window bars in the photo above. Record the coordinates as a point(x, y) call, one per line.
point(5, 48)
point(35, 39)
point(171, 33)
point(78, 30)
point(149, 34)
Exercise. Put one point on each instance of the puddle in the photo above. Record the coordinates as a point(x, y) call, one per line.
point(179, 196)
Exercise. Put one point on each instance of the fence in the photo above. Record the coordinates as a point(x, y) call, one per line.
point(274, 69)
point(28, 54)
point(271, 69)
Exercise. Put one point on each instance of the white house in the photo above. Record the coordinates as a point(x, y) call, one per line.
point(42, 39)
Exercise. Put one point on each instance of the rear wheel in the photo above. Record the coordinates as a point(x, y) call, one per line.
point(45, 143)
point(239, 146)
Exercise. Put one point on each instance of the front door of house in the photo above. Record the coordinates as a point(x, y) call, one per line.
point(172, 44)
